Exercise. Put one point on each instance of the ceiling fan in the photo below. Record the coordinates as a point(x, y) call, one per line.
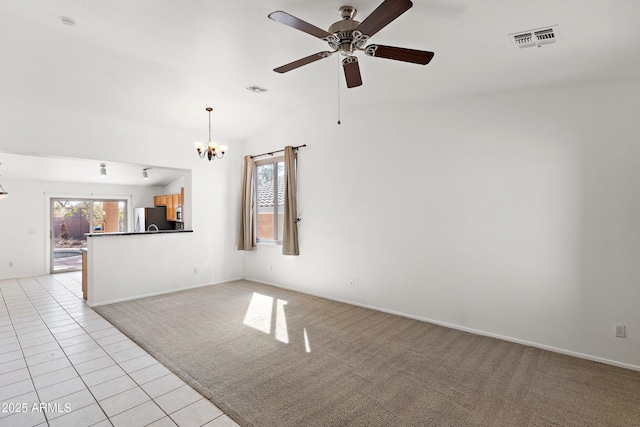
point(348, 36)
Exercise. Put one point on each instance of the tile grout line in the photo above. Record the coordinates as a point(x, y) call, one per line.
point(61, 348)
point(20, 343)
point(42, 294)
point(114, 361)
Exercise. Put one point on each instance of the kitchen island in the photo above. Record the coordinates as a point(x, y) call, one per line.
point(123, 266)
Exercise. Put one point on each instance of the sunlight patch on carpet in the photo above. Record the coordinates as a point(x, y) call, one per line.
point(307, 347)
point(281, 322)
point(260, 315)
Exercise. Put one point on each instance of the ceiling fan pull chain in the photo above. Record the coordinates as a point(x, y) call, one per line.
point(339, 62)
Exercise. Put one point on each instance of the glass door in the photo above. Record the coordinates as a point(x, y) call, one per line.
point(72, 218)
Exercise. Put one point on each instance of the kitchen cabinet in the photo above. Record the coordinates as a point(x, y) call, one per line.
point(171, 202)
point(176, 201)
point(160, 201)
point(171, 209)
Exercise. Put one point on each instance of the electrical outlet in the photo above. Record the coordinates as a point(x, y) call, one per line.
point(350, 284)
point(621, 331)
point(195, 271)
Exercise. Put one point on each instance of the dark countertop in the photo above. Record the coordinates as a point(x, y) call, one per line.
point(137, 233)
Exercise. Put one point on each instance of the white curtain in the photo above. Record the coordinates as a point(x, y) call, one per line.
point(290, 237)
point(246, 233)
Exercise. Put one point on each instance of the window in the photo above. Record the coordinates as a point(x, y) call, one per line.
point(269, 178)
point(72, 218)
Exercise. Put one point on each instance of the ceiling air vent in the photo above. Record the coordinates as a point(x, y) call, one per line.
point(537, 37)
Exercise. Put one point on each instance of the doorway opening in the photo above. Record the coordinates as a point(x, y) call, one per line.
point(72, 218)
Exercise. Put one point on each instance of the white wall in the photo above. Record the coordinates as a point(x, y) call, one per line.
point(150, 265)
point(174, 187)
point(214, 186)
point(25, 219)
point(515, 215)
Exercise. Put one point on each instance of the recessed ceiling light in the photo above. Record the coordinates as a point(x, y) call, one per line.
point(256, 89)
point(67, 21)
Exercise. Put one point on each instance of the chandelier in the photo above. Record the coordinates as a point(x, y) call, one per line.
point(212, 150)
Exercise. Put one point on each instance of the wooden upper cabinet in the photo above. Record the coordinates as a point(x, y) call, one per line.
point(171, 209)
point(171, 201)
point(176, 205)
point(160, 201)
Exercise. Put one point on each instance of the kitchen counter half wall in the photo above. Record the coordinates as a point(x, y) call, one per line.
point(129, 266)
point(124, 233)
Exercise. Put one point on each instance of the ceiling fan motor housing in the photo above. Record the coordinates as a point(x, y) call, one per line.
point(343, 31)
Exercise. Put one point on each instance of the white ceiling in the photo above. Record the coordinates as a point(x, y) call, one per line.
point(15, 166)
point(161, 62)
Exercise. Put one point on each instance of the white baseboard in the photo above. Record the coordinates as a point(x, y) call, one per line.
point(462, 328)
point(152, 294)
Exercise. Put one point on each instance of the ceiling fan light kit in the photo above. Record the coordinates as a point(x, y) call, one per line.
point(348, 36)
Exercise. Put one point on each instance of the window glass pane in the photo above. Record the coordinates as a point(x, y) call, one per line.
point(69, 224)
point(111, 216)
point(269, 180)
point(122, 216)
point(280, 201)
point(71, 219)
point(108, 216)
point(99, 214)
point(265, 205)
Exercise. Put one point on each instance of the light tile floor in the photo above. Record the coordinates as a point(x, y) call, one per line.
point(61, 364)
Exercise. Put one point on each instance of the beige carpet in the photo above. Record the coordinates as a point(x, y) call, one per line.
point(338, 365)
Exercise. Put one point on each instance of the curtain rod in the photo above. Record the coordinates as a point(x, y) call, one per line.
point(271, 153)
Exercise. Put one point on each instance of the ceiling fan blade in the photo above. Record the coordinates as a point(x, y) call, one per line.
point(399, 54)
point(298, 24)
point(352, 71)
point(383, 16)
point(304, 61)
